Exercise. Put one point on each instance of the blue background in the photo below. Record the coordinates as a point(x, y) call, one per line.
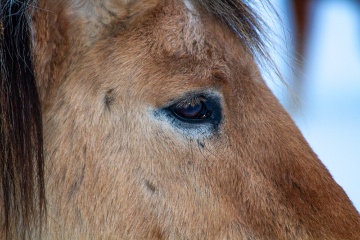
point(326, 107)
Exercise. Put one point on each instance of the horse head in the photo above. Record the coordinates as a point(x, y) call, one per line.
point(157, 123)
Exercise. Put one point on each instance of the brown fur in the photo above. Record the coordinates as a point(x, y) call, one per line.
point(114, 172)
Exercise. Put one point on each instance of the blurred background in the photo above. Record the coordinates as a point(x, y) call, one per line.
point(319, 57)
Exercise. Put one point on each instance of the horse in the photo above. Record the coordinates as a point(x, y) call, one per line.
point(150, 119)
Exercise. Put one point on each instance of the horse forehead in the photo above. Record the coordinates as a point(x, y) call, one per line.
point(180, 29)
point(190, 8)
point(194, 22)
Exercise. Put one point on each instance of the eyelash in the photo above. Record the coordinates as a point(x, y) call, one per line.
point(192, 100)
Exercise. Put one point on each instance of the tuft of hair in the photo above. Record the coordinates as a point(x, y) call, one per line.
point(240, 17)
point(21, 138)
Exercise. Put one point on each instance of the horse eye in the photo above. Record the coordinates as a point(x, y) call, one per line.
point(192, 111)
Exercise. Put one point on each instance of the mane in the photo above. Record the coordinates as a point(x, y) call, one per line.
point(21, 138)
point(240, 17)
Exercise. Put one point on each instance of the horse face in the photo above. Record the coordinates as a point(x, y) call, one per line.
point(157, 124)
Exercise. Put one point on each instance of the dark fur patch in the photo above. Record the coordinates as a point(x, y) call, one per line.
point(109, 99)
point(77, 183)
point(150, 186)
point(201, 144)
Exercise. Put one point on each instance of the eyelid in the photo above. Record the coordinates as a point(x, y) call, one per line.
point(193, 100)
point(193, 97)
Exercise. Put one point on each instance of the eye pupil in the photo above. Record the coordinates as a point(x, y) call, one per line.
point(190, 111)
